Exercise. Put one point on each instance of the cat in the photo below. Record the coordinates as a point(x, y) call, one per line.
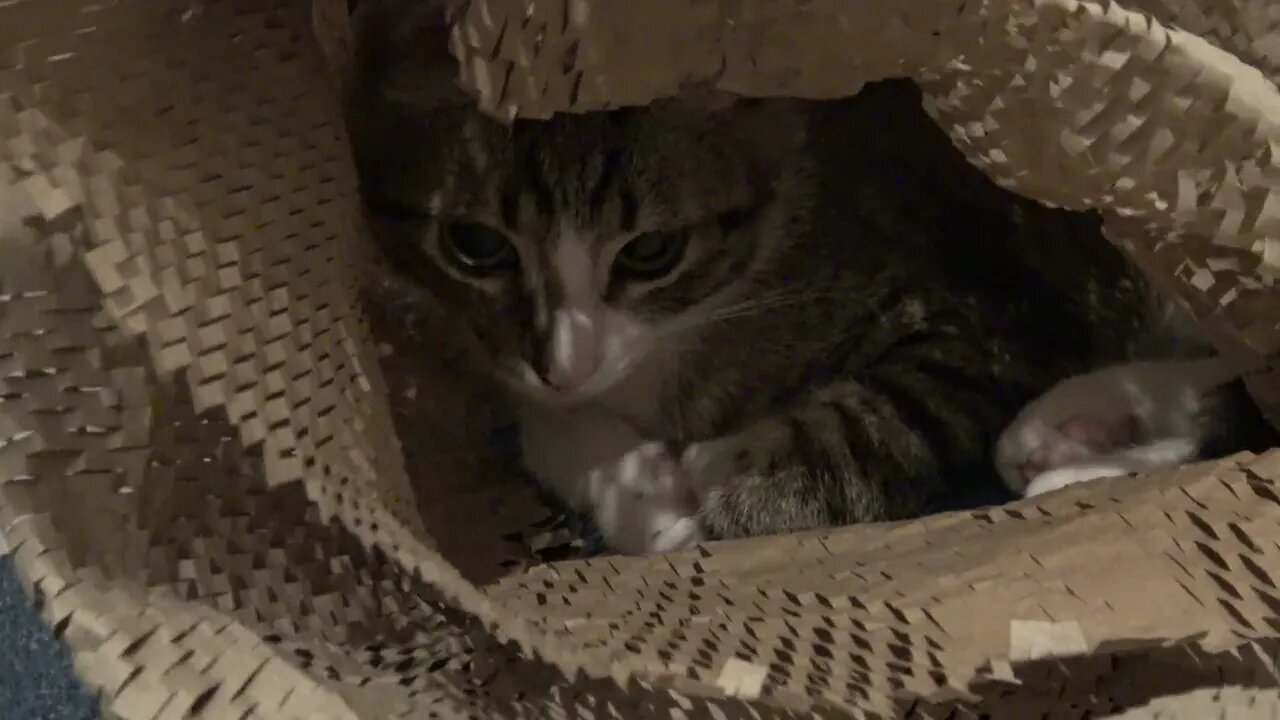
point(721, 317)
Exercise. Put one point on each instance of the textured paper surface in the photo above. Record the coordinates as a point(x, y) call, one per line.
point(235, 502)
point(1231, 703)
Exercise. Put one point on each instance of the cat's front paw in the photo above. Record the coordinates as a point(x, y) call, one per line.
point(1040, 452)
point(642, 503)
point(1122, 419)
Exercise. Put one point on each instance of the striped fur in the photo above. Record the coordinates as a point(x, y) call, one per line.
point(837, 347)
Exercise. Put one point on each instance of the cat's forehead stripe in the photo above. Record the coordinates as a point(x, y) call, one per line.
point(628, 209)
point(608, 168)
point(535, 181)
point(568, 175)
point(510, 208)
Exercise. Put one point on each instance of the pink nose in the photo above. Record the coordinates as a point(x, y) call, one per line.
point(572, 350)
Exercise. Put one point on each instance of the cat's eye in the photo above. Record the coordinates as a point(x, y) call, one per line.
point(477, 248)
point(651, 255)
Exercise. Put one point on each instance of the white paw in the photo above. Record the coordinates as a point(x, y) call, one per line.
point(1059, 478)
point(1074, 421)
point(642, 503)
point(1043, 443)
point(1125, 461)
point(684, 532)
point(1113, 421)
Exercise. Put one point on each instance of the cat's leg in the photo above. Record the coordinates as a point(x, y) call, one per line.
point(843, 455)
point(633, 489)
point(883, 441)
point(880, 448)
point(1115, 421)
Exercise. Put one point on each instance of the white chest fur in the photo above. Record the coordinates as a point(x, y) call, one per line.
point(561, 443)
point(599, 457)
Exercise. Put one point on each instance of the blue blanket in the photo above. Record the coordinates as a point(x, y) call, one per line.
point(36, 682)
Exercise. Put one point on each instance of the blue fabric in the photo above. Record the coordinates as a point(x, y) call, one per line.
point(36, 682)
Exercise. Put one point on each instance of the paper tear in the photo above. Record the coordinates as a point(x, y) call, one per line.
point(1036, 639)
point(742, 679)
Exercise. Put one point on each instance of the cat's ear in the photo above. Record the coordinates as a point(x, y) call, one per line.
point(401, 52)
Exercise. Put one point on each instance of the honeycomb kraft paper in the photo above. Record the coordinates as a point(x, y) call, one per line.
point(200, 476)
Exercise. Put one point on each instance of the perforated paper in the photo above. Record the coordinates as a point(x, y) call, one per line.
point(240, 495)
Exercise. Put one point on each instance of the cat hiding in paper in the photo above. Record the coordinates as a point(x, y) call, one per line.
point(722, 317)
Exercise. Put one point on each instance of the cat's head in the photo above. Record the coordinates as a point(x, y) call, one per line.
point(572, 248)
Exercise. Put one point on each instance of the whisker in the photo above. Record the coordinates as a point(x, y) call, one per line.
point(742, 309)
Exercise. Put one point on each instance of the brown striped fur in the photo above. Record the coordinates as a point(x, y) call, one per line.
point(871, 328)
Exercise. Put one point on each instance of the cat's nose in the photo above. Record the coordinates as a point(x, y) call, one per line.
point(571, 350)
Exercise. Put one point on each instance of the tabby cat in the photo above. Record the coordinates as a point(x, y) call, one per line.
point(729, 317)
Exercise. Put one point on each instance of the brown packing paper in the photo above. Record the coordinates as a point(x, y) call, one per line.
point(1232, 703)
point(201, 476)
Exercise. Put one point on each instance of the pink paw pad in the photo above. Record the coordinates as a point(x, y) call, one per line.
point(1080, 437)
